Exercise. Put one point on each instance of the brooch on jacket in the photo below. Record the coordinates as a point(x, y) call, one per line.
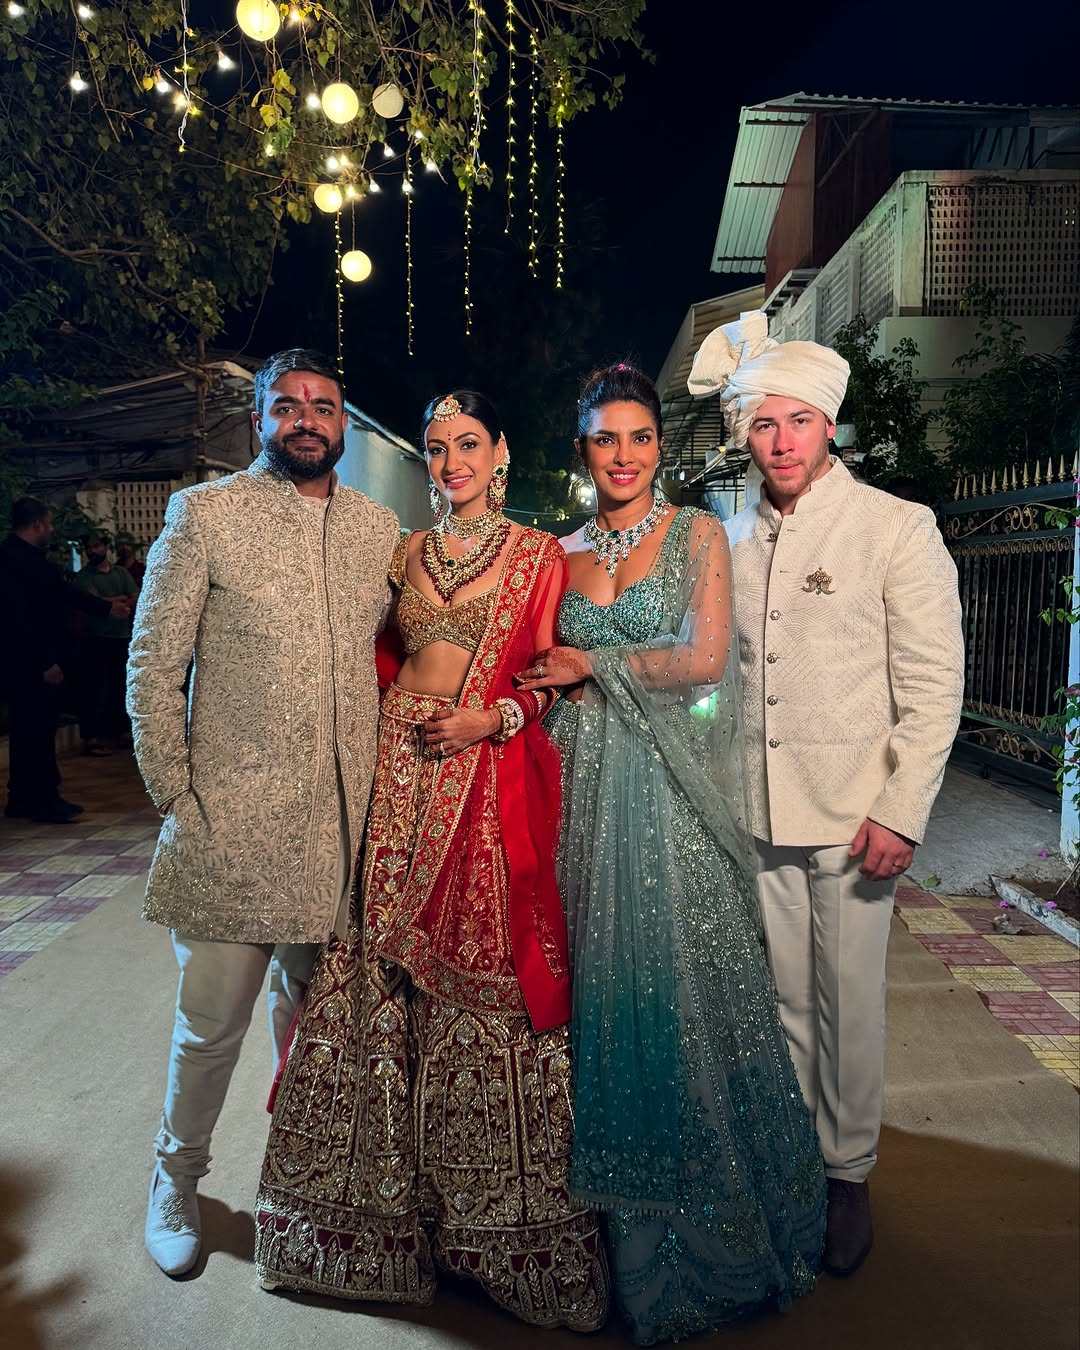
point(819, 582)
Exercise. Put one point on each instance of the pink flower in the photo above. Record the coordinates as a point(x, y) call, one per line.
point(1044, 853)
point(1004, 904)
point(1050, 904)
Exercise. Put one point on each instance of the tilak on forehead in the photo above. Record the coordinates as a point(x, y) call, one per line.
point(741, 363)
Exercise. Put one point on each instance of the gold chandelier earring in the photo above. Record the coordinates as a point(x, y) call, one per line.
point(496, 492)
point(440, 507)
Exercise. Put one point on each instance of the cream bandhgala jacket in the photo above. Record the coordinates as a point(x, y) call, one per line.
point(852, 661)
point(277, 607)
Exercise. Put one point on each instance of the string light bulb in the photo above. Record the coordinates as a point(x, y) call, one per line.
point(373, 186)
point(225, 61)
point(510, 156)
point(340, 102)
point(407, 188)
point(16, 11)
point(388, 151)
point(340, 296)
point(560, 181)
point(355, 265)
point(333, 164)
point(259, 19)
point(388, 101)
point(311, 102)
point(534, 82)
point(84, 12)
point(78, 83)
point(328, 198)
point(162, 85)
point(430, 166)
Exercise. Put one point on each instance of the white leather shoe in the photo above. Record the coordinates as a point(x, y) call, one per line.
point(173, 1229)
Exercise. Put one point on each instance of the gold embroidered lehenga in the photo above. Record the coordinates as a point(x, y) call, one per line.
point(424, 1117)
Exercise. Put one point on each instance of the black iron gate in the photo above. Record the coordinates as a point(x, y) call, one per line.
point(1011, 562)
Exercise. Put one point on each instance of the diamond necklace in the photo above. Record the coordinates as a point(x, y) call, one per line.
point(611, 547)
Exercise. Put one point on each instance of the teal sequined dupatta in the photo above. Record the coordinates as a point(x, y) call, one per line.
point(690, 1128)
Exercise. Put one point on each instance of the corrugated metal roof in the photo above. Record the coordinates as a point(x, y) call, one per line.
point(760, 165)
point(765, 150)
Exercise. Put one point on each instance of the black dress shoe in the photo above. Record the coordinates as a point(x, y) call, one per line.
point(849, 1232)
point(72, 808)
point(51, 815)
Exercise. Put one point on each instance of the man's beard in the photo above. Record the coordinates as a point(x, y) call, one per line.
point(300, 466)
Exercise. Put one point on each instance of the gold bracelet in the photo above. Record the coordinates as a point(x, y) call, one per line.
point(513, 719)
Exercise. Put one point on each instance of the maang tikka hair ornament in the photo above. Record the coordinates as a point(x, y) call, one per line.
point(446, 409)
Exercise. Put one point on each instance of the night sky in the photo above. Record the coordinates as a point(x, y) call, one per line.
point(645, 188)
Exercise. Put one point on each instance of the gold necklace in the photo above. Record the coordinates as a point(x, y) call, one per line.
point(471, 527)
point(449, 574)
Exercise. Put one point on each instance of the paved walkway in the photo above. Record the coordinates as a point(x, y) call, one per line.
point(52, 875)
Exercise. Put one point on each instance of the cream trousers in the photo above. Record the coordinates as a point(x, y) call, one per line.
point(827, 929)
point(219, 983)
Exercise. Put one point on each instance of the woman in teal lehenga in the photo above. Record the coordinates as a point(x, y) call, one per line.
point(691, 1132)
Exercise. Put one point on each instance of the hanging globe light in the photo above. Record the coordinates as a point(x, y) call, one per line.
point(388, 101)
point(258, 18)
point(328, 198)
point(340, 103)
point(355, 265)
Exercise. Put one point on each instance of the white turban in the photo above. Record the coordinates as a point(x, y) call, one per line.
point(742, 364)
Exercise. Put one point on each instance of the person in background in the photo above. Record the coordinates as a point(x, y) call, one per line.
point(105, 649)
point(37, 601)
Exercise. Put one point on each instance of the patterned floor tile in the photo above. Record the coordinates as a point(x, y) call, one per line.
point(1070, 1002)
point(936, 921)
point(966, 902)
point(59, 908)
point(963, 949)
point(77, 864)
point(39, 883)
point(911, 897)
point(1034, 950)
point(993, 977)
point(127, 867)
point(28, 936)
point(133, 832)
point(98, 885)
point(1063, 976)
point(10, 961)
point(35, 846)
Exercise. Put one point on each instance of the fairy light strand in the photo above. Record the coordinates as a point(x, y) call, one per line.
point(560, 182)
point(409, 312)
point(185, 85)
point(534, 83)
point(472, 168)
point(510, 138)
point(339, 291)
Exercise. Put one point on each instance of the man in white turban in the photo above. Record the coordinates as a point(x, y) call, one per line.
point(853, 672)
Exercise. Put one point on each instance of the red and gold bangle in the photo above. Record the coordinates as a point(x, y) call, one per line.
point(513, 719)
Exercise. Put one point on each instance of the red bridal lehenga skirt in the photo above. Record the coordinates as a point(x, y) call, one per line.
point(409, 1134)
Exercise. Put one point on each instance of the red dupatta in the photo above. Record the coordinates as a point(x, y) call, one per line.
point(483, 931)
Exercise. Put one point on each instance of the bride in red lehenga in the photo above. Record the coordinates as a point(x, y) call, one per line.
point(424, 1115)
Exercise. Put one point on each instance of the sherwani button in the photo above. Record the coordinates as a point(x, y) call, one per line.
point(773, 743)
point(772, 700)
point(772, 658)
point(774, 613)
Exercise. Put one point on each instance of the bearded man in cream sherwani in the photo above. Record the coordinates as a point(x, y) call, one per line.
point(853, 671)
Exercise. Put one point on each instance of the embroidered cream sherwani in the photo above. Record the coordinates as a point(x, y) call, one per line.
point(852, 661)
point(279, 607)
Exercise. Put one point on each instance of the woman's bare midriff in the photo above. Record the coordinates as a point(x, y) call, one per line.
point(439, 668)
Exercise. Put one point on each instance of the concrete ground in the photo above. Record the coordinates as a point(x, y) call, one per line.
point(974, 1194)
point(982, 826)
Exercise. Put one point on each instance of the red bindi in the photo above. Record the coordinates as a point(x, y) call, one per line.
point(306, 388)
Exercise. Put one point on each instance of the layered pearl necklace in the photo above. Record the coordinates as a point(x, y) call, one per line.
point(610, 547)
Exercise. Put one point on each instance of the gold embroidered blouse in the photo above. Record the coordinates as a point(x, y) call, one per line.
point(421, 622)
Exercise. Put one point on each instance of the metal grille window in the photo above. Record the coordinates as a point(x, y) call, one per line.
point(1020, 240)
point(834, 284)
point(877, 259)
point(140, 508)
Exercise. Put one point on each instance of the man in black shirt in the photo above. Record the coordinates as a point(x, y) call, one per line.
point(35, 599)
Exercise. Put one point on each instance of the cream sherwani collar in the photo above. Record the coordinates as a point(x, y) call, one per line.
point(825, 492)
